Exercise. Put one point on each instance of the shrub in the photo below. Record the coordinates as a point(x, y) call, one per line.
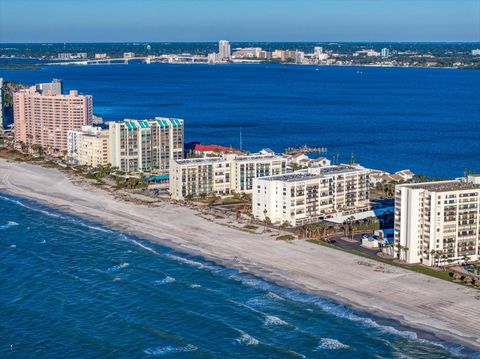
point(286, 237)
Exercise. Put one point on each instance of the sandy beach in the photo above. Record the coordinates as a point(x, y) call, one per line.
point(443, 309)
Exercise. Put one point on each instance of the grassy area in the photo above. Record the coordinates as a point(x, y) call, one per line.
point(431, 272)
point(418, 268)
point(285, 237)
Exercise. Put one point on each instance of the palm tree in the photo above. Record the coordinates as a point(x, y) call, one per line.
point(284, 226)
point(432, 255)
point(265, 212)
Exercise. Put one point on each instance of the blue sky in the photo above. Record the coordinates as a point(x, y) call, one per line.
point(239, 20)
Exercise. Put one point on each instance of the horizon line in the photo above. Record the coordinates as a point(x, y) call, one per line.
point(242, 41)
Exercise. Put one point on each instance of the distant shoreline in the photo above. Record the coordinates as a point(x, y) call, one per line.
point(36, 66)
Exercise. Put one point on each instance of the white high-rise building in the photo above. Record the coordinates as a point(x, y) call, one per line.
point(317, 50)
point(385, 53)
point(73, 141)
point(437, 222)
point(224, 51)
point(231, 173)
point(299, 57)
point(310, 195)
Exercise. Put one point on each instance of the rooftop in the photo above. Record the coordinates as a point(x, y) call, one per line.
point(337, 169)
point(292, 177)
point(257, 157)
point(203, 160)
point(444, 186)
point(210, 148)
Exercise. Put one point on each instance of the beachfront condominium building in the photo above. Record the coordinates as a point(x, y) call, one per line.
point(73, 138)
point(88, 147)
point(437, 222)
point(231, 173)
point(224, 51)
point(146, 145)
point(93, 149)
point(43, 116)
point(310, 195)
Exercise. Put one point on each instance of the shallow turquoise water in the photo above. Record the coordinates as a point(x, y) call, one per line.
point(70, 288)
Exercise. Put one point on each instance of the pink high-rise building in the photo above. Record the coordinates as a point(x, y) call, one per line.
point(44, 117)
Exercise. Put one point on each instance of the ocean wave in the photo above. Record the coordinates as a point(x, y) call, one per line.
point(246, 339)
point(273, 320)
point(159, 351)
point(194, 285)
point(8, 225)
point(13, 246)
point(144, 246)
point(196, 264)
point(165, 280)
point(21, 204)
point(331, 344)
point(335, 309)
point(58, 215)
point(117, 267)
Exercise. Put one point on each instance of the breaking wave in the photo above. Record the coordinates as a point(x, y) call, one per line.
point(8, 225)
point(117, 267)
point(165, 280)
point(246, 339)
point(159, 351)
point(330, 344)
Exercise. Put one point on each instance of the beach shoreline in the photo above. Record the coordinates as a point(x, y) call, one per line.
point(416, 301)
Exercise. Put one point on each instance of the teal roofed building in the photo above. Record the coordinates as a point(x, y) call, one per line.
point(146, 145)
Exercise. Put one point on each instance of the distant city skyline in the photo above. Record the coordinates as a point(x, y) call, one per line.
point(235, 20)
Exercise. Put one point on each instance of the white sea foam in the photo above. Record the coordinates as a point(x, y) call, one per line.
point(159, 351)
point(273, 320)
point(96, 228)
point(165, 280)
point(194, 285)
point(8, 225)
point(246, 339)
point(330, 344)
point(196, 264)
point(43, 242)
point(117, 267)
point(331, 308)
point(13, 246)
point(144, 246)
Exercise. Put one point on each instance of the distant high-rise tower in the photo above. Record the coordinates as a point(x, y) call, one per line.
point(224, 50)
point(55, 87)
point(385, 53)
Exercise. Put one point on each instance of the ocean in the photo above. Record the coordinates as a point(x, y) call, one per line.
point(427, 120)
point(71, 288)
